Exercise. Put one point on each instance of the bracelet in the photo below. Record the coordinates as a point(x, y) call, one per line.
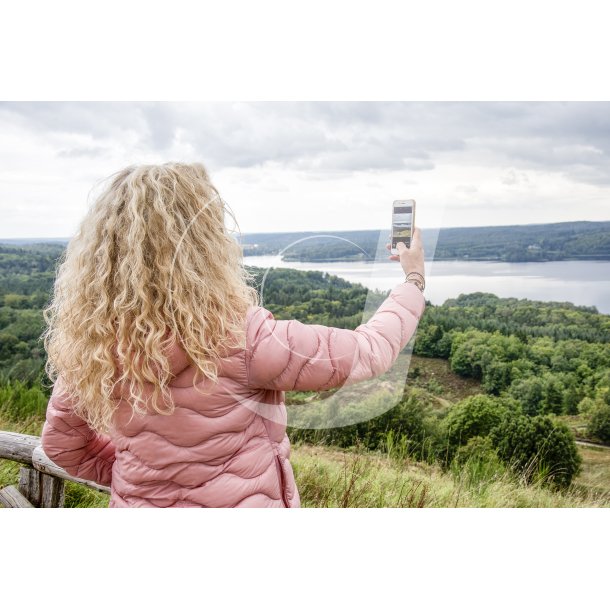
point(419, 275)
point(420, 283)
point(415, 283)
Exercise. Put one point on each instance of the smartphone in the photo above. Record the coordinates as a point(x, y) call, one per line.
point(403, 221)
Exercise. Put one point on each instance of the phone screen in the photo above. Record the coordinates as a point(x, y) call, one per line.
point(402, 222)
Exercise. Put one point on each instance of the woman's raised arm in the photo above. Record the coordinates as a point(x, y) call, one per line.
point(289, 355)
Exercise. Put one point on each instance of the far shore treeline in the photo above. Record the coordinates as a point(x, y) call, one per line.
point(582, 240)
point(579, 240)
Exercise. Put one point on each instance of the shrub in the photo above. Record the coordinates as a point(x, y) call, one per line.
point(602, 387)
point(572, 396)
point(479, 448)
point(599, 422)
point(477, 462)
point(547, 393)
point(414, 372)
point(443, 347)
point(538, 447)
point(474, 416)
point(497, 377)
point(586, 405)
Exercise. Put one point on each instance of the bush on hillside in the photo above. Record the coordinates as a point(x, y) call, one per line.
point(599, 422)
point(538, 447)
point(478, 462)
point(427, 339)
point(479, 448)
point(586, 405)
point(474, 416)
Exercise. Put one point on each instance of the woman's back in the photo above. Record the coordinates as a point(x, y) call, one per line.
point(131, 408)
point(229, 448)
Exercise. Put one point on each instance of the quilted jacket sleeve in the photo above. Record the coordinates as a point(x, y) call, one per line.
point(289, 355)
point(69, 442)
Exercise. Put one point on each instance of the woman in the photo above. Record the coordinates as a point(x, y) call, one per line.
point(169, 377)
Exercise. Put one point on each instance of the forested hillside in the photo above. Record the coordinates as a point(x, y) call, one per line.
point(27, 273)
point(496, 387)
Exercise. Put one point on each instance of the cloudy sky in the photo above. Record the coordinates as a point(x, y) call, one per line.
point(316, 166)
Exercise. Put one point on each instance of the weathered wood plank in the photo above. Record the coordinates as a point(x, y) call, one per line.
point(30, 484)
point(12, 498)
point(41, 462)
point(53, 492)
point(17, 447)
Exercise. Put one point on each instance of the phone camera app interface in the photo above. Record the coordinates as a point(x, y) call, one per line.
point(402, 218)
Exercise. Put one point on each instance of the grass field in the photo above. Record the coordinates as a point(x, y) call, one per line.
point(333, 478)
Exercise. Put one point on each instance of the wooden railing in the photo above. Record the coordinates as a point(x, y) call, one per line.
point(41, 482)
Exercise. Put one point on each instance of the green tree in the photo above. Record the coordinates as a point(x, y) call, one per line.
point(427, 340)
point(529, 392)
point(552, 401)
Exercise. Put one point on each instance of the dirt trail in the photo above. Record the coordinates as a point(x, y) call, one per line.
point(582, 441)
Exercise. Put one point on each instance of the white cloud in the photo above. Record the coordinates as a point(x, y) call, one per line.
point(316, 166)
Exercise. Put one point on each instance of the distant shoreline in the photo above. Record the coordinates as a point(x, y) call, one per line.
point(16, 243)
point(601, 258)
point(563, 223)
point(536, 243)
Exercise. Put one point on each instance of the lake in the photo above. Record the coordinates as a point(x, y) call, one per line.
point(579, 282)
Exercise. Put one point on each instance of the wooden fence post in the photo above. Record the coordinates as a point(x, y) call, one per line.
point(42, 490)
point(52, 492)
point(30, 484)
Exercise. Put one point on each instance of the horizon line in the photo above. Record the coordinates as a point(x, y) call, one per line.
point(531, 224)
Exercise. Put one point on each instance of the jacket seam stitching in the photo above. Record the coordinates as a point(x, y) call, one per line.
point(309, 359)
point(290, 353)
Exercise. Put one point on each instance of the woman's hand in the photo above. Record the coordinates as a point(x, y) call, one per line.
point(412, 258)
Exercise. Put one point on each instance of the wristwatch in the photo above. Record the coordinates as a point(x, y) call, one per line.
point(416, 278)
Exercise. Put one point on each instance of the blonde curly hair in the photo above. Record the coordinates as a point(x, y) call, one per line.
point(152, 263)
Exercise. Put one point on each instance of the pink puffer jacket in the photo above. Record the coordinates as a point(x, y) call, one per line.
point(229, 448)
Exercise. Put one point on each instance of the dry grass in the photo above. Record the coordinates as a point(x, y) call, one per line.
point(576, 423)
point(434, 371)
point(595, 475)
point(329, 477)
point(334, 478)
